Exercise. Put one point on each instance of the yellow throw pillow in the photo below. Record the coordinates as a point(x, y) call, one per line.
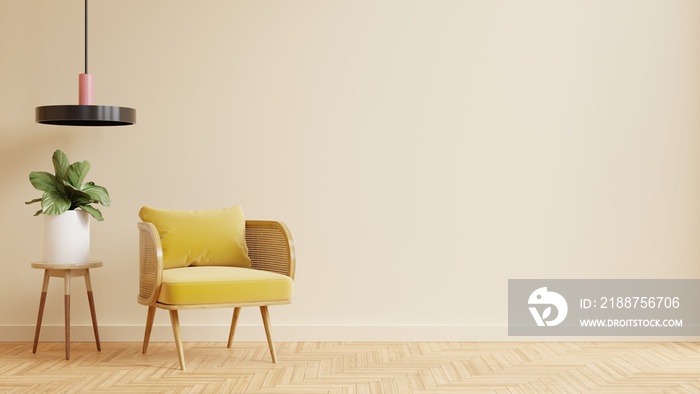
point(204, 237)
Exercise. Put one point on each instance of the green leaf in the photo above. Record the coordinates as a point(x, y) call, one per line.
point(75, 194)
point(97, 193)
point(39, 212)
point(33, 201)
point(54, 203)
point(77, 173)
point(60, 165)
point(76, 197)
point(42, 180)
point(93, 211)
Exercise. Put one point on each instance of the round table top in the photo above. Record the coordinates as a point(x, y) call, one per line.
point(54, 266)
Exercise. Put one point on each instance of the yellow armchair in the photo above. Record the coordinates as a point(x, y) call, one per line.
point(268, 281)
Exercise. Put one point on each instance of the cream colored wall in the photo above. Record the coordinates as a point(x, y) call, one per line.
point(422, 153)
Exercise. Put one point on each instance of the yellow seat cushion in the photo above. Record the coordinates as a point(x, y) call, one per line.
point(222, 285)
point(203, 237)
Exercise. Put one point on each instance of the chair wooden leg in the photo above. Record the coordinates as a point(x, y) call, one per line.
point(149, 326)
point(175, 322)
point(234, 321)
point(266, 322)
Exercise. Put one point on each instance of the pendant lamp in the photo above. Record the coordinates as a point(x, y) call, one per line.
point(85, 113)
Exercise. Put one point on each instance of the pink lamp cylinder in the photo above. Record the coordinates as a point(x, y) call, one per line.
point(86, 94)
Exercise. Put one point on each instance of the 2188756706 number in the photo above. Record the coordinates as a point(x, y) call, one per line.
point(639, 302)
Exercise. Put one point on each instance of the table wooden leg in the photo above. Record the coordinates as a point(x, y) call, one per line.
point(66, 292)
point(42, 303)
point(91, 301)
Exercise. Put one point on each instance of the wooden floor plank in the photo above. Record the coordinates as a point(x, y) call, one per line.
point(337, 367)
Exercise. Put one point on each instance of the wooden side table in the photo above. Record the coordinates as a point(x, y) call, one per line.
point(66, 271)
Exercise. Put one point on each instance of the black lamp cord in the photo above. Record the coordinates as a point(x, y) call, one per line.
point(86, 36)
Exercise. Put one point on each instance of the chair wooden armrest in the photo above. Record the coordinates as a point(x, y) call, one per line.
point(150, 263)
point(270, 246)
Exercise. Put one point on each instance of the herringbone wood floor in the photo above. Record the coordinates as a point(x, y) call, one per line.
point(327, 367)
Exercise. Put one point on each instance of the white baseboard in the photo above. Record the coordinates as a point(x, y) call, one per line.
point(299, 333)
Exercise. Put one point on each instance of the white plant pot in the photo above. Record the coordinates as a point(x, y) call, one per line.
point(67, 237)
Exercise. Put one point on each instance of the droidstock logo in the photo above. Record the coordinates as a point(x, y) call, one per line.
point(543, 297)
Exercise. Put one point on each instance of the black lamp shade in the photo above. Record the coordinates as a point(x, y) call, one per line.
point(85, 115)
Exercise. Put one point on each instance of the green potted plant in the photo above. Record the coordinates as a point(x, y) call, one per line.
point(66, 203)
